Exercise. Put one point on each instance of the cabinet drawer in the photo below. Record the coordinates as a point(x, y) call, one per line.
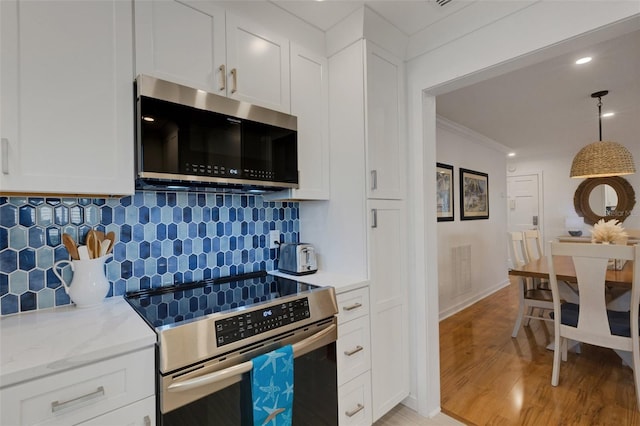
point(352, 304)
point(354, 402)
point(141, 413)
point(81, 393)
point(353, 349)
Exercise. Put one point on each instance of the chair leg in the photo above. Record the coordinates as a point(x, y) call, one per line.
point(516, 327)
point(636, 377)
point(555, 375)
point(527, 320)
point(565, 347)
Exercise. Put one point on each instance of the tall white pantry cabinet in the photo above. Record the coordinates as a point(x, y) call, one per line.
point(372, 80)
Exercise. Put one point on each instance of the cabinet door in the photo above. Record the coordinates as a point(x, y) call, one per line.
point(385, 140)
point(310, 103)
point(141, 413)
point(257, 65)
point(67, 110)
point(389, 314)
point(183, 42)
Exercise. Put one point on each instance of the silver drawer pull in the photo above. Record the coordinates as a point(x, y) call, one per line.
point(355, 411)
point(57, 405)
point(354, 351)
point(352, 307)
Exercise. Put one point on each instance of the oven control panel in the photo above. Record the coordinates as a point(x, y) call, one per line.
point(241, 326)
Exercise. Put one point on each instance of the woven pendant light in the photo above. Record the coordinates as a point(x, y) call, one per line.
point(602, 158)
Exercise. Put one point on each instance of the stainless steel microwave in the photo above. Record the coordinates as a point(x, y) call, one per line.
point(190, 139)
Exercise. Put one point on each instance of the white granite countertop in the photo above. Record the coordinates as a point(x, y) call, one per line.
point(341, 283)
point(43, 342)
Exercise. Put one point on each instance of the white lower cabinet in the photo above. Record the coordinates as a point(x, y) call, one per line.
point(141, 413)
point(354, 402)
point(119, 390)
point(354, 358)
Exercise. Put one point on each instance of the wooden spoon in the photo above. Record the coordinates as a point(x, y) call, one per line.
point(70, 245)
point(100, 235)
point(111, 236)
point(91, 245)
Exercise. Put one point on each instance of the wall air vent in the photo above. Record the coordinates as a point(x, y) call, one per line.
point(443, 2)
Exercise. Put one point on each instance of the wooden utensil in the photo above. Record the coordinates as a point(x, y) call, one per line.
point(91, 245)
point(70, 245)
point(100, 235)
point(111, 236)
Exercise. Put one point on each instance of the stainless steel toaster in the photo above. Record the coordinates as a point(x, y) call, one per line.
point(297, 259)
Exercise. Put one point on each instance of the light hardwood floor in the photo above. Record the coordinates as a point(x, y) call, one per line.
point(490, 378)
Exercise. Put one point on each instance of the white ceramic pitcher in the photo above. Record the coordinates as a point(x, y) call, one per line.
point(89, 285)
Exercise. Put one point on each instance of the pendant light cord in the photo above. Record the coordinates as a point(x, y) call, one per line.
point(600, 117)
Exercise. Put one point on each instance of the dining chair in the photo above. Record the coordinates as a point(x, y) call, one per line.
point(590, 321)
point(533, 246)
point(531, 297)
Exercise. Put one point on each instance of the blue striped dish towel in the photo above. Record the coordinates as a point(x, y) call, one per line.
point(272, 388)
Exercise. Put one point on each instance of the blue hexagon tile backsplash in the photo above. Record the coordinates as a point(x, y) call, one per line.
point(162, 238)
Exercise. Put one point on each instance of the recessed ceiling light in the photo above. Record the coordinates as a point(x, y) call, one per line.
point(511, 154)
point(147, 118)
point(584, 60)
point(608, 114)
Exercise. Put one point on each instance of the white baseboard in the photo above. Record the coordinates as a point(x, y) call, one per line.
point(471, 300)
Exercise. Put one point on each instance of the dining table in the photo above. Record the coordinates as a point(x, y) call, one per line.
point(618, 280)
point(565, 271)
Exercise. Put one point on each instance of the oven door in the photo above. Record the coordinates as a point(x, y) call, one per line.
point(220, 394)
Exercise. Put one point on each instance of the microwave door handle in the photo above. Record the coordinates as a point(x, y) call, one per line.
point(311, 343)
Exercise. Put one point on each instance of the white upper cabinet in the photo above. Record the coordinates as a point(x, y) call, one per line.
point(385, 130)
point(200, 45)
point(179, 43)
point(66, 118)
point(257, 65)
point(310, 103)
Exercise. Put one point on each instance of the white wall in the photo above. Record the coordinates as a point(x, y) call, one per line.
point(558, 188)
point(460, 147)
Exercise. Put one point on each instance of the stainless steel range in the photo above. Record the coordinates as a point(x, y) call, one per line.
point(209, 331)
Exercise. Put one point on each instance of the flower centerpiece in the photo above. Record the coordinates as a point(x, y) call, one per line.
point(608, 232)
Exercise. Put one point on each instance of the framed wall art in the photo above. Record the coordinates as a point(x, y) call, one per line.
point(444, 192)
point(474, 195)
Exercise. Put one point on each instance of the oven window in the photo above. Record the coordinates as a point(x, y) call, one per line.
point(315, 398)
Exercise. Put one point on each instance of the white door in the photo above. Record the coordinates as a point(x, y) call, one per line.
point(385, 148)
point(389, 313)
point(67, 109)
point(257, 65)
point(181, 43)
point(523, 205)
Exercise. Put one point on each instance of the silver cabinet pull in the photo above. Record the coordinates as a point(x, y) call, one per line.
point(234, 76)
point(223, 77)
point(147, 421)
point(57, 405)
point(352, 307)
point(354, 351)
point(374, 218)
point(5, 156)
point(374, 180)
point(355, 411)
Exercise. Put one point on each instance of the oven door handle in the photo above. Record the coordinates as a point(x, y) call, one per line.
point(311, 343)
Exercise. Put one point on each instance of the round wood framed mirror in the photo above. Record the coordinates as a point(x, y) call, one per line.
point(604, 198)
